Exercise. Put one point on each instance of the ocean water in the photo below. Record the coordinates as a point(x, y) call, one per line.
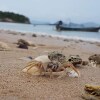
point(50, 30)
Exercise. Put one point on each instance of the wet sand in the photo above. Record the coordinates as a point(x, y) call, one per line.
point(16, 85)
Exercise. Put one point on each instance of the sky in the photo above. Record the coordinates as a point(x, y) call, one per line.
point(78, 11)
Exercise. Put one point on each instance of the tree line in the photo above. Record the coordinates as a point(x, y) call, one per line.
point(12, 17)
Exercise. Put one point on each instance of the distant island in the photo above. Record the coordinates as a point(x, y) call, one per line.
point(14, 18)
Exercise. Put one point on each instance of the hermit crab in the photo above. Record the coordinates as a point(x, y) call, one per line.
point(52, 64)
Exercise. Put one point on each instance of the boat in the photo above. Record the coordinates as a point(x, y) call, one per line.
point(62, 27)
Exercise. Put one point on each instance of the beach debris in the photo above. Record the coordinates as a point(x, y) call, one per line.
point(95, 57)
point(92, 89)
point(35, 47)
point(24, 44)
point(4, 46)
point(92, 92)
point(22, 34)
point(66, 40)
point(73, 74)
point(46, 51)
point(34, 35)
point(92, 63)
point(94, 60)
point(71, 70)
point(13, 33)
point(81, 41)
point(28, 43)
point(98, 44)
point(41, 45)
point(50, 36)
point(29, 58)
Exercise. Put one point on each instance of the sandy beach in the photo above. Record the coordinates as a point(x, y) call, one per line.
point(16, 85)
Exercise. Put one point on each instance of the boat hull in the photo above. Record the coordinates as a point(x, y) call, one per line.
point(89, 29)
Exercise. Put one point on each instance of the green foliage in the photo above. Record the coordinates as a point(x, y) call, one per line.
point(14, 17)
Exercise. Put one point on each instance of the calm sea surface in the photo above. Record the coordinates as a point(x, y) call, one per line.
point(50, 30)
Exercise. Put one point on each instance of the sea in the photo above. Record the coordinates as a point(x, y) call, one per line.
point(50, 30)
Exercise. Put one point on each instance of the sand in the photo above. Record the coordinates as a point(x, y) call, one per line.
point(16, 85)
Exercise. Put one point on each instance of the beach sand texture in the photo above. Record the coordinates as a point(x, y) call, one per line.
point(16, 85)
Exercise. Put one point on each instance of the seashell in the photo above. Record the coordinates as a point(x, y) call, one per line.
point(72, 73)
point(43, 59)
point(34, 68)
point(71, 69)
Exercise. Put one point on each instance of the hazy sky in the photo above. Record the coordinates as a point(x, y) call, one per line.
point(53, 10)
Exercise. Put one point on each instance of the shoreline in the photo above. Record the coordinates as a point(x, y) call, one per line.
point(53, 36)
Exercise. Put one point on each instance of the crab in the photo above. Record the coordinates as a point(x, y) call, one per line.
point(51, 64)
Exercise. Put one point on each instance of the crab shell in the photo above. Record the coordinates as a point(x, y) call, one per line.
point(39, 64)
